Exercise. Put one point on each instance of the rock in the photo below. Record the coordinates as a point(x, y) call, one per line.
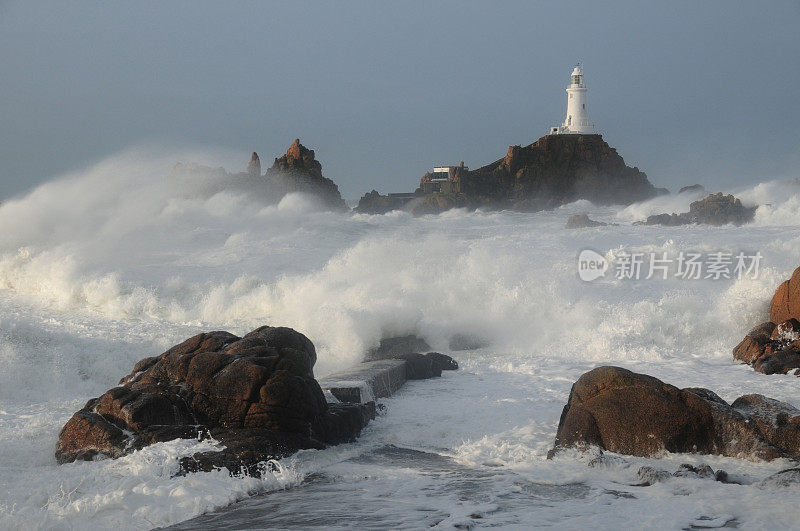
point(785, 478)
point(692, 188)
point(255, 394)
point(581, 221)
point(467, 342)
point(424, 366)
point(777, 421)
point(439, 202)
point(669, 220)
point(553, 171)
point(788, 331)
point(648, 475)
point(752, 346)
point(715, 209)
point(770, 348)
point(254, 167)
point(635, 414)
point(375, 203)
point(786, 300)
point(395, 347)
point(443, 361)
point(299, 171)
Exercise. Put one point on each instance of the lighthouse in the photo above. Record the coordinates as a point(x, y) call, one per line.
point(577, 119)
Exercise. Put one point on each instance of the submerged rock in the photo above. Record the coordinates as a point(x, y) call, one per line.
point(467, 342)
point(393, 347)
point(254, 394)
point(581, 221)
point(635, 414)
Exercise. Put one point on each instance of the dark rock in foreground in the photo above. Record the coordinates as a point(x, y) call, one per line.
point(715, 209)
point(582, 221)
point(635, 414)
point(256, 395)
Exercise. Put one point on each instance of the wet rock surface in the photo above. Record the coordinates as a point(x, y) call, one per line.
point(773, 347)
point(254, 394)
point(635, 414)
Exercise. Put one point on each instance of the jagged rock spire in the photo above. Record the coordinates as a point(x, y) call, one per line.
point(254, 168)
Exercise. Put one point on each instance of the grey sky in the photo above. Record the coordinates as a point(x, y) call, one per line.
point(688, 91)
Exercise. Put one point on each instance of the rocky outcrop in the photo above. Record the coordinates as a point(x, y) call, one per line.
point(254, 166)
point(409, 348)
point(255, 394)
point(582, 221)
point(773, 347)
point(375, 203)
point(299, 171)
point(635, 414)
point(438, 202)
point(553, 171)
point(715, 209)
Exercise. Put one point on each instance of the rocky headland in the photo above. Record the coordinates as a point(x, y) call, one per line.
point(553, 171)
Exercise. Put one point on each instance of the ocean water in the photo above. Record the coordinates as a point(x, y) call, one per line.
point(122, 259)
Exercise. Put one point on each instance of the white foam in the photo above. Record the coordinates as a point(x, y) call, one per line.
point(117, 262)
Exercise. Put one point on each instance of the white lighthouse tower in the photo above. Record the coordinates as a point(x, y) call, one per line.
point(577, 120)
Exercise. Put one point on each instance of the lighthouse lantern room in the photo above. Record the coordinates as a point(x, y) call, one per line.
point(577, 119)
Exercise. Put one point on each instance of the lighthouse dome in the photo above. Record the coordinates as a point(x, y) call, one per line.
point(578, 71)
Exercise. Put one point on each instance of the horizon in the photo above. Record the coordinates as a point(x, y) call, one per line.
point(382, 104)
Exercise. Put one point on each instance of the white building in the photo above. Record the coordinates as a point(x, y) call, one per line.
point(577, 120)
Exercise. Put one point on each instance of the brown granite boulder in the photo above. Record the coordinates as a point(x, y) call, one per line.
point(771, 348)
point(255, 394)
point(786, 301)
point(635, 414)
